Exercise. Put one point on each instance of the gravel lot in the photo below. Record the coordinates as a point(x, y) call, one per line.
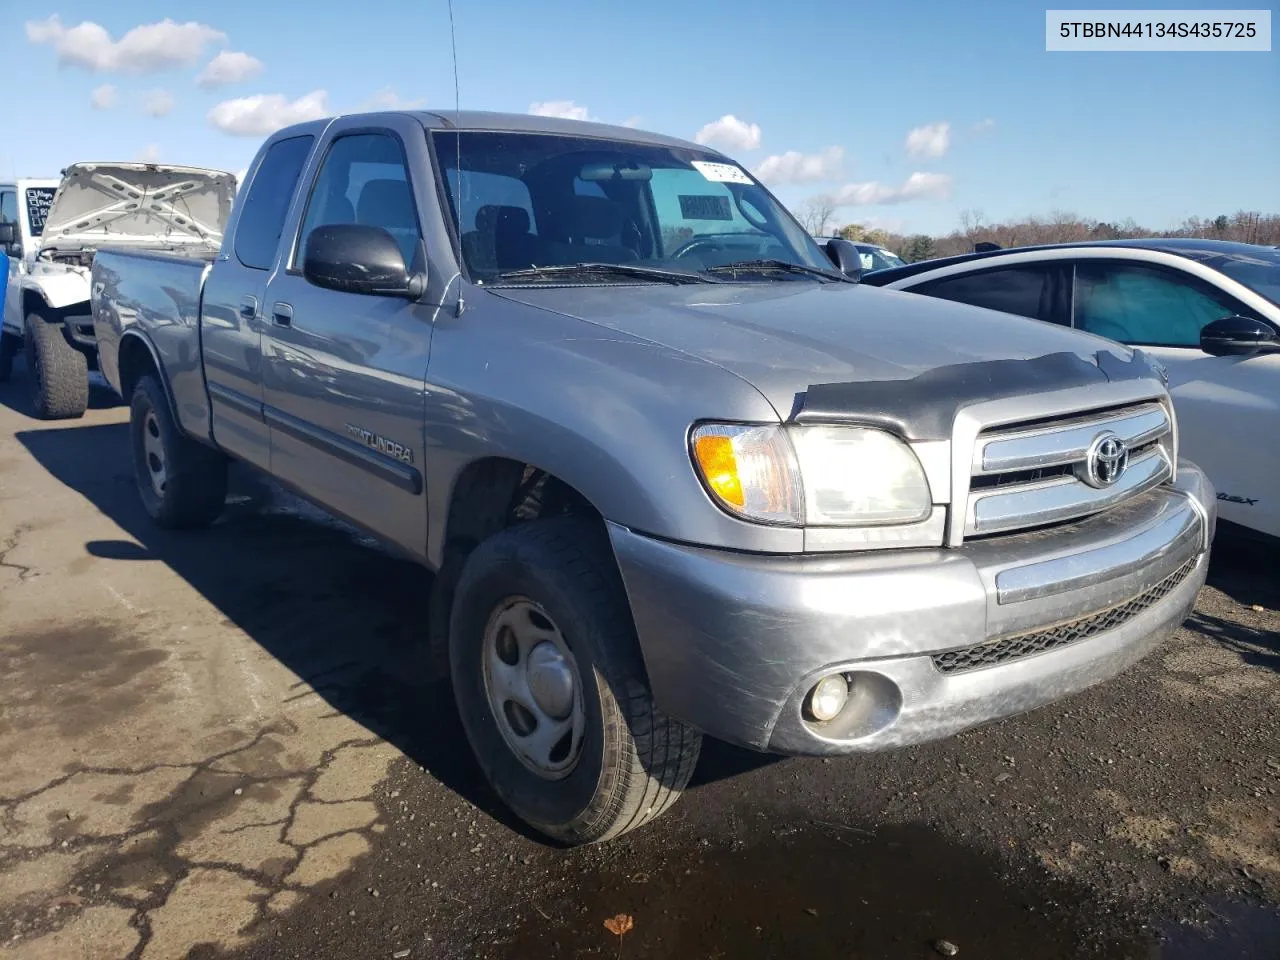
point(214, 744)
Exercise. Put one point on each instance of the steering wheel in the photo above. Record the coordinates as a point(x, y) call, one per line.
point(697, 244)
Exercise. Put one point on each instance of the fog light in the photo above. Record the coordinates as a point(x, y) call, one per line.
point(828, 697)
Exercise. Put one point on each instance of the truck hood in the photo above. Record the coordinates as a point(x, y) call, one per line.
point(784, 337)
point(132, 204)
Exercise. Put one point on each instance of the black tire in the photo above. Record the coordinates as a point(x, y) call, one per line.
point(59, 372)
point(194, 487)
point(9, 345)
point(634, 760)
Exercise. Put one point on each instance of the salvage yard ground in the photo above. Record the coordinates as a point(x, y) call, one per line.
point(217, 744)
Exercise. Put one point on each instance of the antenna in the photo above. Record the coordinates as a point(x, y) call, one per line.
point(457, 155)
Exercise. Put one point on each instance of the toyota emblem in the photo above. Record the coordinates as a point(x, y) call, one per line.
point(1107, 460)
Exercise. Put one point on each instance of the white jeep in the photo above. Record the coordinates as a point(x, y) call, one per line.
point(59, 227)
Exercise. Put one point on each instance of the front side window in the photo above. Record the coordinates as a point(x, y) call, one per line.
point(525, 200)
point(8, 207)
point(1145, 305)
point(267, 203)
point(1025, 291)
point(364, 180)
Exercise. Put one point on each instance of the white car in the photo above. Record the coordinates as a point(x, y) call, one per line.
point(60, 226)
point(1208, 310)
point(24, 206)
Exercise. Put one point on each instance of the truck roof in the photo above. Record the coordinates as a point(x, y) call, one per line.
point(514, 122)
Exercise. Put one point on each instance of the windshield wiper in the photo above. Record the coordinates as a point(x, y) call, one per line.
point(779, 266)
point(587, 270)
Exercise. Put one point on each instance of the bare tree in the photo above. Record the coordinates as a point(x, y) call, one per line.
point(817, 214)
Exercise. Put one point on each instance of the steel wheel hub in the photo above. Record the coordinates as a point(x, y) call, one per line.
point(533, 687)
point(153, 452)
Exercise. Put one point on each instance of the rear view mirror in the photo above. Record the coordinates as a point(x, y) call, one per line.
point(846, 257)
point(596, 172)
point(357, 258)
point(1237, 336)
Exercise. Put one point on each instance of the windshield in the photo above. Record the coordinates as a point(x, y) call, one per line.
point(527, 200)
point(1259, 272)
point(38, 201)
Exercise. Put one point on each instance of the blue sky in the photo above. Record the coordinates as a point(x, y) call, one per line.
point(824, 98)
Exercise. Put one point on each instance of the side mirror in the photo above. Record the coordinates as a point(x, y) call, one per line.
point(9, 240)
point(357, 258)
point(846, 257)
point(1236, 336)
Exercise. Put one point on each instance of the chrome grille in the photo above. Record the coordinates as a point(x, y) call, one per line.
point(1030, 475)
point(992, 652)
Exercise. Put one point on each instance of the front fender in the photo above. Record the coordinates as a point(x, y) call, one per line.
point(608, 414)
point(57, 290)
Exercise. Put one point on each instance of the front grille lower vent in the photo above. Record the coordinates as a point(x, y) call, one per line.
point(993, 652)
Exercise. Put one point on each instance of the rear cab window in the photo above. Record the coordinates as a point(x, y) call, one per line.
point(267, 204)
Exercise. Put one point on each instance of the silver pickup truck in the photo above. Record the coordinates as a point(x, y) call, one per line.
point(675, 471)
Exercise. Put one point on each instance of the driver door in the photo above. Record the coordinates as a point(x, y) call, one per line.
point(1228, 407)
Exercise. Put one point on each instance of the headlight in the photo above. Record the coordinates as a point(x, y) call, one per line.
point(819, 475)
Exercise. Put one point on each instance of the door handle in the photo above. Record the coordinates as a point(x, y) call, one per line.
point(249, 307)
point(281, 313)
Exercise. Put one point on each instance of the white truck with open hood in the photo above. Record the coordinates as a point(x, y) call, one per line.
point(157, 207)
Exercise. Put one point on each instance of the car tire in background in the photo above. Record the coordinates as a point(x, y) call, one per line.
point(59, 372)
point(541, 640)
point(9, 347)
point(183, 484)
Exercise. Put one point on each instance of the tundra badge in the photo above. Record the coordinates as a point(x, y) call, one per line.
point(375, 442)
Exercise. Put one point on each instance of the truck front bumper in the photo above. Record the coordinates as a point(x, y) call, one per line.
point(931, 641)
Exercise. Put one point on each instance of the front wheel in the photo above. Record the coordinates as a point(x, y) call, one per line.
point(59, 372)
point(182, 483)
point(551, 688)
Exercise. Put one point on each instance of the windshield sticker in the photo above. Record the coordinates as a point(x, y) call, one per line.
point(39, 200)
point(721, 172)
point(704, 207)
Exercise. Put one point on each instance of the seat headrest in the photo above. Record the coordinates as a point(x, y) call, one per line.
point(386, 203)
point(509, 220)
point(596, 218)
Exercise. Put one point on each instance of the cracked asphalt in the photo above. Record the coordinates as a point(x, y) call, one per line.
point(230, 743)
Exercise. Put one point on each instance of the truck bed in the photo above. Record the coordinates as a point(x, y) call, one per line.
point(155, 295)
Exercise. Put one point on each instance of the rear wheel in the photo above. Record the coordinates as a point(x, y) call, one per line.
point(59, 372)
point(551, 688)
point(182, 483)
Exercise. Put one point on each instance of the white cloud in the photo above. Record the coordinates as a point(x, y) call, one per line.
point(918, 186)
point(148, 48)
point(565, 109)
point(158, 103)
point(729, 131)
point(796, 167)
point(931, 140)
point(388, 99)
point(103, 97)
point(984, 126)
point(149, 154)
point(228, 67)
point(265, 113)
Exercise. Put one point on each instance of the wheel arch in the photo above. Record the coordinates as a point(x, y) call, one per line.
point(137, 358)
point(489, 495)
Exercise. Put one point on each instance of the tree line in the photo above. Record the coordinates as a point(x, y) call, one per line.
point(1244, 226)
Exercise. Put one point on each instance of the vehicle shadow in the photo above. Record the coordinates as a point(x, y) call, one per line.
point(326, 601)
point(345, 616)
point(1245, 570)
point(16, 394)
